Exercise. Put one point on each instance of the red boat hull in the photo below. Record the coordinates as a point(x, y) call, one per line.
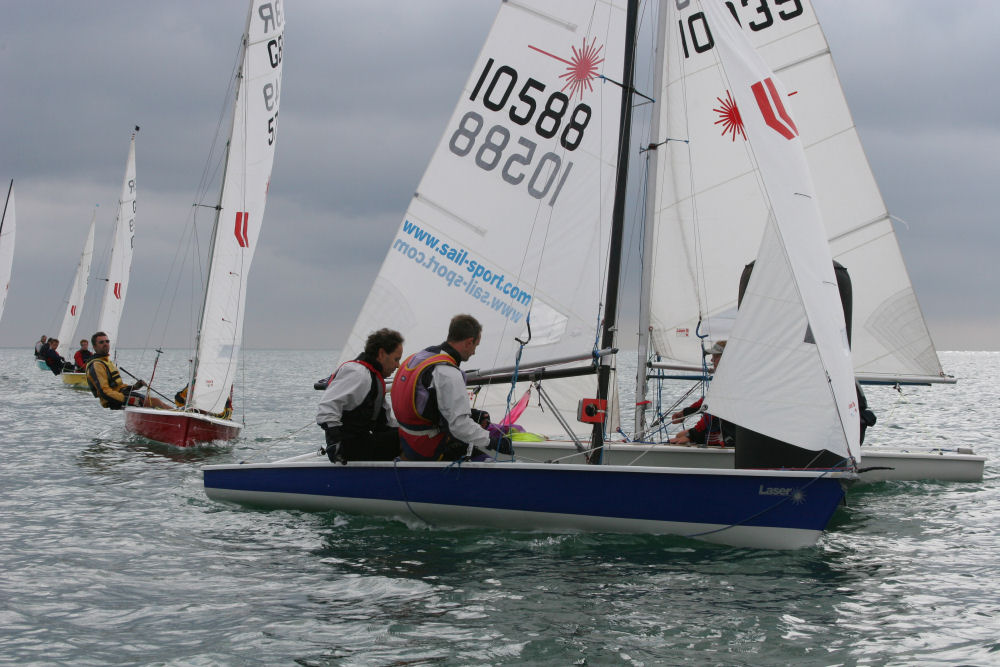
point(181, 429)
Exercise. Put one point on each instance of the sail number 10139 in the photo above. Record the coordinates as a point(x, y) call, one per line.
point(547, 116)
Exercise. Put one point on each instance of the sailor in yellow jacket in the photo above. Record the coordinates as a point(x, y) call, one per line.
point(106, 384)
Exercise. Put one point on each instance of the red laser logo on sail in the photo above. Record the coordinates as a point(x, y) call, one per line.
point(773, 110)
point(242, 218)
point(118, 290)
point(729, 117)
point(581, 68)
point(72, 311)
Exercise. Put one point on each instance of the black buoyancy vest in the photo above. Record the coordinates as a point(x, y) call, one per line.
point(370, 415)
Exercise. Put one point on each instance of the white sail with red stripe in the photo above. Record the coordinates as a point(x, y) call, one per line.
point(122, 246)
point(241, 207)
point(77, 292)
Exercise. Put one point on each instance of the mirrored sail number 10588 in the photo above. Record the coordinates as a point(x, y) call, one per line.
point(549, 116)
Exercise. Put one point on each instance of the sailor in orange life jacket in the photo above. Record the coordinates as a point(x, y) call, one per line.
point(708, 430)
point(354, 410)
point(432, 405)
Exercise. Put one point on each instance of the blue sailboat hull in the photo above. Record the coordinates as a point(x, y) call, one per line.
point(761, 509)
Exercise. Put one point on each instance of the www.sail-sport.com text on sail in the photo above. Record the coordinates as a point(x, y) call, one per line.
point(448, 263)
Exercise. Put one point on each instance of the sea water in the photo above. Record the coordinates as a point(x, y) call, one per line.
point(110, 554)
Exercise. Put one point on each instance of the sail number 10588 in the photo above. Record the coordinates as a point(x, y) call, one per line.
point(546, 116)
point(549, 120)
point(516, 167)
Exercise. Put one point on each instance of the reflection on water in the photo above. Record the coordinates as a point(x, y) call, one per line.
point(113, 555)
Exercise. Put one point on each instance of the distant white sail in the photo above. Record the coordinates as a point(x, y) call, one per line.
point(512, 215)
point(710, 213)
point(244, 195)
point(8, 227)
point(76, 294)
point(120, 266)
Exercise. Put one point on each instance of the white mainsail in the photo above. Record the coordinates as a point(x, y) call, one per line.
point(510, 218)
point(77, 293)
point(710, 213)
point(787, 370)
point(8, 227)
point(122, 244)
point(241, 208)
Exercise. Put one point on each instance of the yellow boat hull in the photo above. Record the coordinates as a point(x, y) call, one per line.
point(78, 380)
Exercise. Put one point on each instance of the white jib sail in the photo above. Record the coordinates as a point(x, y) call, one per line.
point(512, 215)
point(122, 244)
point(76, 294)
point(787, 369)
point(8, 227)
point(244, 195)
point(710, 214)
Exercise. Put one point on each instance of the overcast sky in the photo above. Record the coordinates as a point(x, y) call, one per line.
point(368, 87)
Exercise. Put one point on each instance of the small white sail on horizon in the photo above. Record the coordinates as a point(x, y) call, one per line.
point(77, 293)
point(8, 228)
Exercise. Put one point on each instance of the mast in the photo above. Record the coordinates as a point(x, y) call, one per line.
point(649, 232)
point(6, 248)
point(218, 208)
point(5, 203)
point(617, 221)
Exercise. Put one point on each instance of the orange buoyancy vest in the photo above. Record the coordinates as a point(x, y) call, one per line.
point(410, 397)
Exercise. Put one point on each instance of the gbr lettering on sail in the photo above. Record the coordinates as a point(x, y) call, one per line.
point(272, 20)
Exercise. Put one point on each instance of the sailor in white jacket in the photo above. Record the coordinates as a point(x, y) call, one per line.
point(354, 410)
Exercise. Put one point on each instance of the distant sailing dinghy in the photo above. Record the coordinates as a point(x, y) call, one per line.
point(519, 221)
point(119, 267)
point(250, 155)
point(8, 226)
point(77, 292)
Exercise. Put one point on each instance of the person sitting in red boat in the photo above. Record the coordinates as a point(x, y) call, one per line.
point(181, 397)
point(106, 384)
